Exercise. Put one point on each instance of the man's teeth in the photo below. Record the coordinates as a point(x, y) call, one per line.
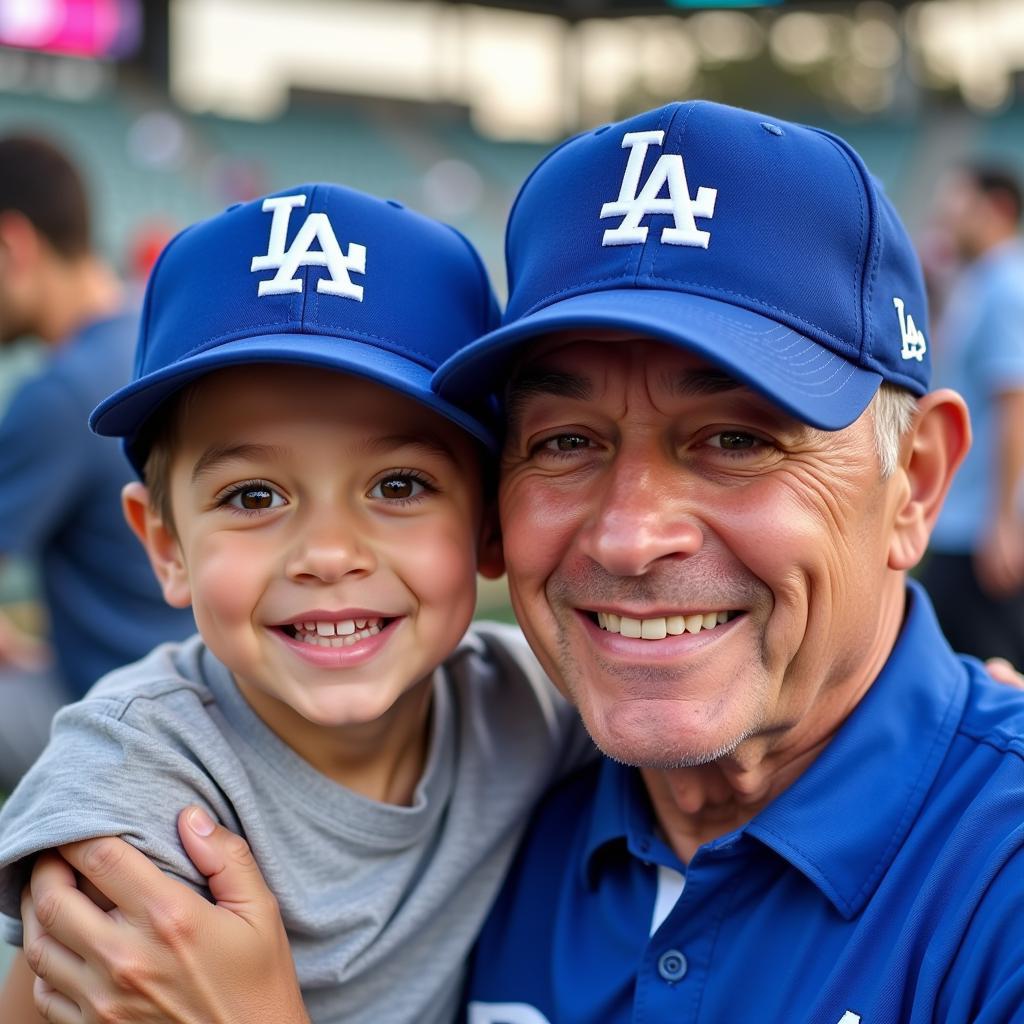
point(658, 629)
point(344, 633)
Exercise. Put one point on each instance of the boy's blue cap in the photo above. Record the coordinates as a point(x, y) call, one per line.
point(763, 246)
point(320, 275)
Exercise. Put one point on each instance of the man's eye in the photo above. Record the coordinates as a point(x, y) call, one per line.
point(399, 487)
point(567, 443)
point(734, 441)
point(255, 497)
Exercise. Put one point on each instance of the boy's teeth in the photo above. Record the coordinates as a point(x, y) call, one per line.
point(659, 628)
point(337, 634)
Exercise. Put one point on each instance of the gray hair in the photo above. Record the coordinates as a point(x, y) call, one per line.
point(893, 409)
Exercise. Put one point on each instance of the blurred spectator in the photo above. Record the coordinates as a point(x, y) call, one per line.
point(976, 570)
point(59, 484)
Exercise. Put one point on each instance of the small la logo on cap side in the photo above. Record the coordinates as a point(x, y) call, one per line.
point(635, 203)
point(914, 345)
point(316, 228)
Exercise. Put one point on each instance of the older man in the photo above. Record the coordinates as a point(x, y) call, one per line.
point(722, 457)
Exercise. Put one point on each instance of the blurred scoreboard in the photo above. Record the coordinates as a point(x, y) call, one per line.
point(103, 29)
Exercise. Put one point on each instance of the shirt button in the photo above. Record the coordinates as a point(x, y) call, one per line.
point(672, 966)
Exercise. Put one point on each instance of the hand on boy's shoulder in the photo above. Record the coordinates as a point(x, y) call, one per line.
point(1002, 671)
point(167, 955)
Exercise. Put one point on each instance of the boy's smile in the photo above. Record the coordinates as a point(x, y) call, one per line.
point(325, 533)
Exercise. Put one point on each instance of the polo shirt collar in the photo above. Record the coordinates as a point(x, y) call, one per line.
point(842, 822)
point(620, 818)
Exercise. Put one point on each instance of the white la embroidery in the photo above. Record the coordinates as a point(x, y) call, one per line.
point(635, 203)
point(316, 228)
point(850, 1018)
point(914, 345)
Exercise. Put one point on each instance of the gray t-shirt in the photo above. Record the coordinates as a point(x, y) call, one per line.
point(381, 903)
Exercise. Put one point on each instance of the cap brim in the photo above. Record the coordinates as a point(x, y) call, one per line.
point(803, 377)
point(124, 412)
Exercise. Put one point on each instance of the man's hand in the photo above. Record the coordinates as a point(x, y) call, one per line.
point(163, 954)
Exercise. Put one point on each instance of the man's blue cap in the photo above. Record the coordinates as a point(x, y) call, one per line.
point(319, 275)
point(763, 246)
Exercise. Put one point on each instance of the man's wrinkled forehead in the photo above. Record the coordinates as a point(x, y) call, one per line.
point(581, 364)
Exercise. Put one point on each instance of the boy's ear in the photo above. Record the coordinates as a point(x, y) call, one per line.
point(931, 452)
point(160, 543)
point(490, 554)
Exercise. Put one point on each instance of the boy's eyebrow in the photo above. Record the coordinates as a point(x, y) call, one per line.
point(217, 453)
point(424, 442)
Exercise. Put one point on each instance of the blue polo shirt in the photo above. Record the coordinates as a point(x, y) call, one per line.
point(885, 886)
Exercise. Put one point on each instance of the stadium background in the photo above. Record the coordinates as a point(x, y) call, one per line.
point(177, 108)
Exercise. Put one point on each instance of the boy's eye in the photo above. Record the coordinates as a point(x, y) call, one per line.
point(399, 486)
point(255, 497)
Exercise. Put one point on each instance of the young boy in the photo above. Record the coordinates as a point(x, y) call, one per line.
point(323, 513)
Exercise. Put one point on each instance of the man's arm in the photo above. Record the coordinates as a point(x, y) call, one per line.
point(163, 955)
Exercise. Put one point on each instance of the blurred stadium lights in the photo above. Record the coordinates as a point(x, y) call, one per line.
point(533, 71)
point(521, 69)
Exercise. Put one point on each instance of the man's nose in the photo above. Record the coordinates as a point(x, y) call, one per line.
point(330, 545)
point(642, 513)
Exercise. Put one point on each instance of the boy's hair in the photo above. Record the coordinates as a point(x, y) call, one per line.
point(154, 449)
point(39, 181)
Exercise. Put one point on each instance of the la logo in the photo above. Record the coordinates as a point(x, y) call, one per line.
point(316, 228)
point(635, 203)
point(914, 345)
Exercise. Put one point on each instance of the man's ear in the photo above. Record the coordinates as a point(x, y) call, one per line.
point(490, 555)
point(931, 452)
point(160, 542)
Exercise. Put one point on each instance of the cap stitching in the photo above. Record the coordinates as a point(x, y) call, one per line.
point(867, 237)
point(673, 111)
point(425, 360)
point(584, 288)
point(651, 230)
point(308, 267)
point(487, 292)
point(509, 262)
point(147, 303)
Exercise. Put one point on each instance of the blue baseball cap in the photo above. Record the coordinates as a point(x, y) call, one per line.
point(763, 246)
point(319, 275)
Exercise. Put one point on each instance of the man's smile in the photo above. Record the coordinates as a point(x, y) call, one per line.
point(657, 627)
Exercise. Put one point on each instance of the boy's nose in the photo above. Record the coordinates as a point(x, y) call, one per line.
point(330, 548)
